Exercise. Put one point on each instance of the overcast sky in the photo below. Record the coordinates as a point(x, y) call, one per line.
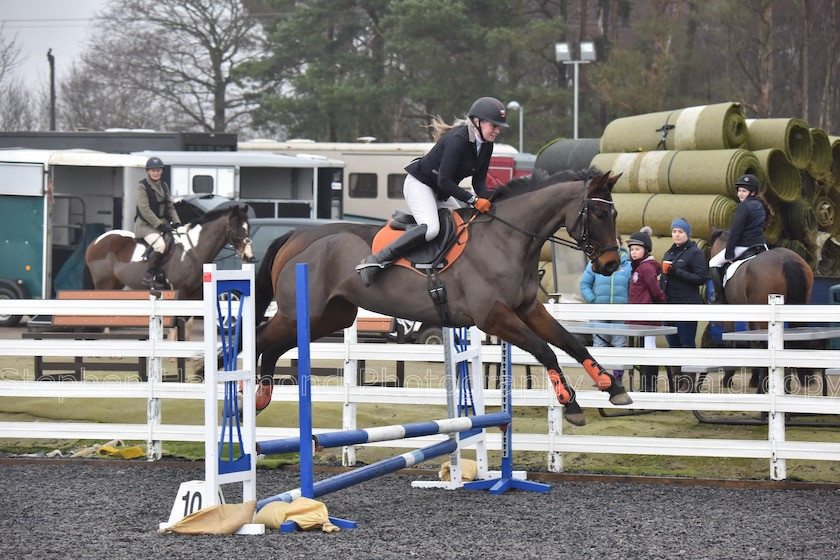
point(62, 25)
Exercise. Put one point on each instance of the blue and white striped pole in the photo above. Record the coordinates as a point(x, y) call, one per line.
point(368, 472)
point(388, 433)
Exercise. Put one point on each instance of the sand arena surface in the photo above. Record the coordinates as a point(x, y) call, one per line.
point(64, 509)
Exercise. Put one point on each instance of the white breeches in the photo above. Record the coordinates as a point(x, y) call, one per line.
point(423, 203)
point(156, 241)
point(720, 258)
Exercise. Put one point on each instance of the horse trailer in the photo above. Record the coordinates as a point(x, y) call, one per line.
point(374, 172)
point(54, 203)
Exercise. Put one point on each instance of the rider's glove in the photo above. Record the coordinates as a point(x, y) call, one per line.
point(482, 205)
point(165, 228)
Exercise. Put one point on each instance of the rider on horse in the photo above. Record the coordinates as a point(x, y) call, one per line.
point(462, 149)
point(155, 221)
point(747, 230)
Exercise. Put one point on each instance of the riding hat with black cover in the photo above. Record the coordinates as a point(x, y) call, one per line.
point(640, 238)
point(749, 182)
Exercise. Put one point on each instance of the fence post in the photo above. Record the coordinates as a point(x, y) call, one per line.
point(776, 387)
point(154, 376)
point(348, 415)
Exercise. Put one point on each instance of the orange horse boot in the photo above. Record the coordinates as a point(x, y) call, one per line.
point(606, 382)
point(566, 396)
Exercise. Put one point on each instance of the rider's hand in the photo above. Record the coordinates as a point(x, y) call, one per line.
point(165, 228)
point(482, 205)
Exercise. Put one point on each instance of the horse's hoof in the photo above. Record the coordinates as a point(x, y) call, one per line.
point(263, 396)
point(575, 418)
point(618, 396)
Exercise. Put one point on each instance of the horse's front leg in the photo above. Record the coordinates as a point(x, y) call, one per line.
point(547, 328)
point(501, 321)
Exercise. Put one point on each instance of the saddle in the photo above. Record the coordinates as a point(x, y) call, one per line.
point(422, 258)
point(751, 252)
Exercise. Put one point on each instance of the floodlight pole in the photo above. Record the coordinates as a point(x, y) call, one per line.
point(516, 106)
point(577, 64)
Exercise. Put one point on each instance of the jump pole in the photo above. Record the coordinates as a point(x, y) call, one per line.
point(237, 462)
point(386, 433)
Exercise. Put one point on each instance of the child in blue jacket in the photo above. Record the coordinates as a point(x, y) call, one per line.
point(597, 288)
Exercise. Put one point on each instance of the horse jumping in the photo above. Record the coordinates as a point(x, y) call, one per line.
point(115, 259)
point(492, 285)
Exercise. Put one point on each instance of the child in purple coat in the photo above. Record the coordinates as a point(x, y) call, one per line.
point(645, 288)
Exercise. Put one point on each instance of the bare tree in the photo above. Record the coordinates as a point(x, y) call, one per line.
point(16, 110)
point(181, 53)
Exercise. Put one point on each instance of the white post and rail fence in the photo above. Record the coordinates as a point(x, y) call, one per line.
point(776, 404)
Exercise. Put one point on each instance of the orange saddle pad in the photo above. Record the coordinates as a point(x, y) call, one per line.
point(388, 234)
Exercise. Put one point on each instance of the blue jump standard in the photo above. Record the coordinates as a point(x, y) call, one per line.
point(507, 482)
point(388, 433)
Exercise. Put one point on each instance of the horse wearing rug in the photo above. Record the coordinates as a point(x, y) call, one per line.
point(115, 260)
point(492, 285)
point(752, 280)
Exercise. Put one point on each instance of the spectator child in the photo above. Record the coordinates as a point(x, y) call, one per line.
point(644, 288)
point(597, 288)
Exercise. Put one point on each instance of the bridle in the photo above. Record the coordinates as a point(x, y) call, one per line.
point(233, 239)
point(590, 248)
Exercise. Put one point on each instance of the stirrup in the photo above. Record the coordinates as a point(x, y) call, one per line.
point(363, 265)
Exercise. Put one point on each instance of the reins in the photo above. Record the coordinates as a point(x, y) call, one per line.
point(588, 248)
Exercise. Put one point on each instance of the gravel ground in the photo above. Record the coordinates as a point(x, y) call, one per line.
point(62, 509)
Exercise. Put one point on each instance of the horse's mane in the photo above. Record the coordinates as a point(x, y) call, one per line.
point(218, 212)
point(540, 179)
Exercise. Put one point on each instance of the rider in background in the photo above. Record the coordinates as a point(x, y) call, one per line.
point(597, 288)
point(461, 149)
point(683, 272)
point(644, 288)
point(747, 230)
point(156, 219)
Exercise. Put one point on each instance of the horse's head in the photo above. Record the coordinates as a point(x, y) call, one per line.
point(717, 240)
point(239, 232)
point(594, 226)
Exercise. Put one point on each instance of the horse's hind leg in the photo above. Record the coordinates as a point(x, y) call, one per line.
point(504, 323)
point(274, 339)
point(544, 325)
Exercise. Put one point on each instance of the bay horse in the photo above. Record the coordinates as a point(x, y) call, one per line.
point(115, 259)
point(776, 271)
point(492, 285)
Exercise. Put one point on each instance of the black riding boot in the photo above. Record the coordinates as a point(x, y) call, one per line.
point(370, 266)
point(716, 274)
point(150, 280)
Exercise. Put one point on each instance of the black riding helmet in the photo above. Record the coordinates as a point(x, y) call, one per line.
point(489, 109)
point(641, 238)
point(154, 163)
point(749, 182)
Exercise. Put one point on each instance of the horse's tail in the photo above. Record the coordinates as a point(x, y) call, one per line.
point(798, 286)
point(263, 283)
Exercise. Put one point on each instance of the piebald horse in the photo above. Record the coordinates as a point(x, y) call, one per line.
point(115, 259)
